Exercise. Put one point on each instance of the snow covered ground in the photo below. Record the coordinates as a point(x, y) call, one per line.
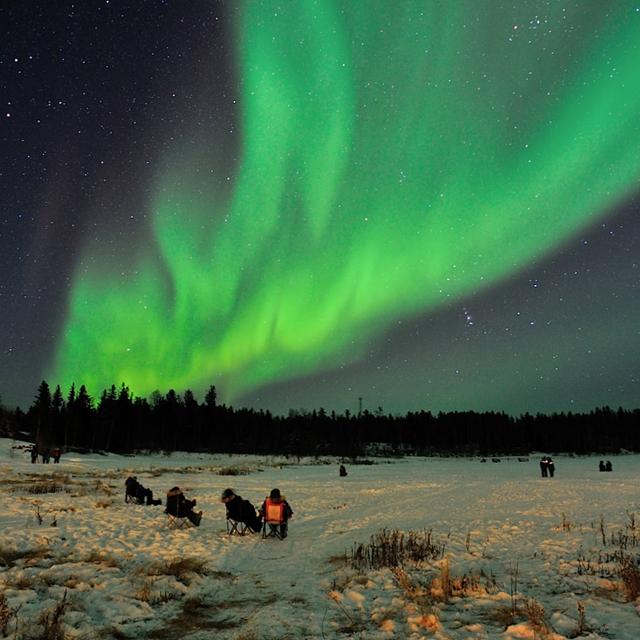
point(513, 555)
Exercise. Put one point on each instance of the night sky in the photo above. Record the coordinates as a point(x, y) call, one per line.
point(421, 204)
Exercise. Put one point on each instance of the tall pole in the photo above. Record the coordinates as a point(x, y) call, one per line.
point(359, 407)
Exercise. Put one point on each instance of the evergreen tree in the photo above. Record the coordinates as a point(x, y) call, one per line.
point(58, 416)
point(42, 415)
point(211, 397)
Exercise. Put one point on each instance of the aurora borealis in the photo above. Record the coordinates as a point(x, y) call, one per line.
point(390, 164)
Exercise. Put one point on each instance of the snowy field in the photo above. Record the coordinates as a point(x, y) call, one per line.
point(510, 554)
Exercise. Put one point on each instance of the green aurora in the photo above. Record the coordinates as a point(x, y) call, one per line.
point(394, 157)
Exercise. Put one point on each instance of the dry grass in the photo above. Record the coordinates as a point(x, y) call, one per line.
point(51, 621)
point(71, 582)
point(147, 594)
point(198, 615)
point(22, 582)
point(393, 548)
point(10, 557)
point(583, 628)
point(415, 593)
point(182, 569)
point(352, 623)
point(7, 614)
point(630, 574)
point(503, 616)
point(46, 487)
point(535, 614)
point(103, 488)
point(144, 592)
point(233, 471)
point(104, 559)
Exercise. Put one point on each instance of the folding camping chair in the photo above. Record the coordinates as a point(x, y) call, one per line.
point(129, 498)
point(178, 522)
point(275, 524)
point(236, 527)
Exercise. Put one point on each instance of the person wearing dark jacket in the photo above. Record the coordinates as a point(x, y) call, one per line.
point(276, 507)
point(551, 466)
point(343, 471)
point(180, 507)
point(241, 510)
point(139, 492)
point(544, 466)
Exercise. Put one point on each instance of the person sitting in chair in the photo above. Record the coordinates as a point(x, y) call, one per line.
point(179, 507)
point(276, 508)
point(241, 510)
point(143, 495)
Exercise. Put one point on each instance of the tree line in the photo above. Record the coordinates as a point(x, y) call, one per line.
point(119, 422)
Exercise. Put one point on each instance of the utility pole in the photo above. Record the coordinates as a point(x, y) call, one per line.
point(359, 407)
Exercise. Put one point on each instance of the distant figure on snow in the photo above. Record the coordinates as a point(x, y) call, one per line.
point(608, 466)
point(180, 507)
point(601, 466)
point(45, 456)
point(551, 466)
point(544, 466)
point(276, 508)
point(139, 492)
point(34, 454)
point(55, 454)
point(343, 471)
point(241, 510)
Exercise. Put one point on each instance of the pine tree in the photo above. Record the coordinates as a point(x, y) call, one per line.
point(42, 413)
point(211, 397)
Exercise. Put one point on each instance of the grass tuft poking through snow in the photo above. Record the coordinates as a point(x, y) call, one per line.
point(51, 621)
point(392, 548)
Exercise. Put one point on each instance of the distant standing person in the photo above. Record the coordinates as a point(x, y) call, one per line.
point(55, 454)
point(343, 471)
point(34, 454)
point(551, 466)
point(45, 456)
point(601, 466)
point(608, 466)
point(544, 466)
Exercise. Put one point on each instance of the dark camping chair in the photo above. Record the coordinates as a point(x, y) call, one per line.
point(235, 527)
point(129, 498)
point(178, 522)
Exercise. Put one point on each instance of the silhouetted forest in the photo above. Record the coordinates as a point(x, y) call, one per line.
point(119, 422)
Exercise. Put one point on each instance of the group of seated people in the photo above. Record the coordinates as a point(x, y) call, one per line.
point(177, 504)
point(274, 509)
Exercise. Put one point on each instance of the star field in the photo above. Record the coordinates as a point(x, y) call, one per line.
point(311, 203)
